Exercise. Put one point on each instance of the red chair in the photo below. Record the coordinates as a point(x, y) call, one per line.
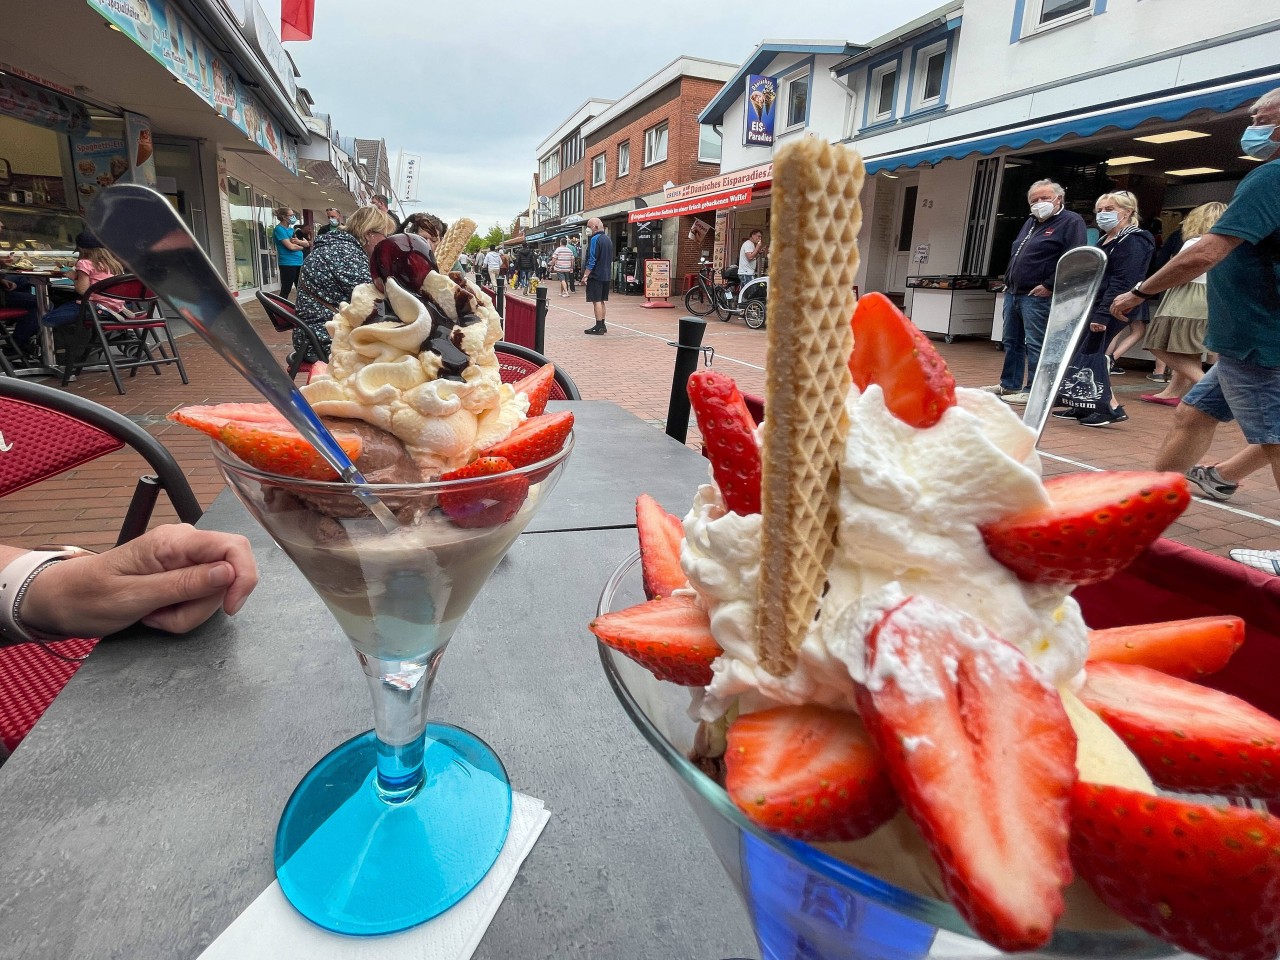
point(516, 362)
point(284, 317)
point(123, 339)
point(47, 432)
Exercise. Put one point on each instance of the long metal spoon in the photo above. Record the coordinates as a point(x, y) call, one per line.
point(144, 230)
point(1075, 288)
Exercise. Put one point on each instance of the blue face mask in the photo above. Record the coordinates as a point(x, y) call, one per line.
point(293, 220)
point(1256, 141)
point(1107, 220)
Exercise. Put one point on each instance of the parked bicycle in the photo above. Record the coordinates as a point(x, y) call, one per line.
point(730, 298)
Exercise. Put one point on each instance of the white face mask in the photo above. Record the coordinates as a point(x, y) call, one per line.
point(1042, 209)
point(1107, 220)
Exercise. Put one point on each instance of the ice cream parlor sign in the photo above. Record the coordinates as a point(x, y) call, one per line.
point(762, 93)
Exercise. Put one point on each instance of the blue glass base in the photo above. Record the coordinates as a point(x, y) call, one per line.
point(353, 863)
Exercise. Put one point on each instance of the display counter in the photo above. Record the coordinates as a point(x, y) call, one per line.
point(952, 306)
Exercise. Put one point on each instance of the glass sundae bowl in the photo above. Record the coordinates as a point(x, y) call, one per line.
point(399, 823)
point(802, 902)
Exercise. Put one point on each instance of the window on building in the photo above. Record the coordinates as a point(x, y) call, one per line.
point(549, 166)
point(1053, 10)
point(708, 143)
point(884, 90)
point(624, 158)
point(571, 200)
point(931, 72)
point(597, 171)
point(796, 97)
point(570, 151)
point(655, 144)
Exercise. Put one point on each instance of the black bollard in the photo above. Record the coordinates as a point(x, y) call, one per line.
point(540, 319)
point(497, 296)
point(690, 345)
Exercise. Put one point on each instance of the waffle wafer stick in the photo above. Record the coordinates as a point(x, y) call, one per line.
point(815, 220)
point(454, 242)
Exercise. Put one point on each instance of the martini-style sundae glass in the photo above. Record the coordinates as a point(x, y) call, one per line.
point(399, 823)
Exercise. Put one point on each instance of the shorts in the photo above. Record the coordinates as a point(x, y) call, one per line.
point(597, 290)
point(565, 277)
point(1244, 392)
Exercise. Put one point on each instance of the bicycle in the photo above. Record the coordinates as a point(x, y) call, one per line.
point(726, 299)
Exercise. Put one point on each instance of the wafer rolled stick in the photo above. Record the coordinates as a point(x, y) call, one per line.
point(454, 242)
point(815, 219)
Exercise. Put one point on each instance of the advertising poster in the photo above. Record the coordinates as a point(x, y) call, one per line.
point(762, 94)
point(44, 108)
point(657, 279)
point(163, 32)
point(98, 162)
point(698, 229)
point(137, 133)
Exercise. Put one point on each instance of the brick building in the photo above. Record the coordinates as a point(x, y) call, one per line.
point(645, 140)
point(558, 204)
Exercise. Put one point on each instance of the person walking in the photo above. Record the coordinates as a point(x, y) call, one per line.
point(493, 264)
point(562, 264)
point(1087, 386)
point(525, 265)
point(1049, 232)
point(596, 272)
point(575, 244)
point(1241, 254)
point(290, 251)
point(1175, 336)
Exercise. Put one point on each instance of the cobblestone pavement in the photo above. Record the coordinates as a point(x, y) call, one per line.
point(631, 366)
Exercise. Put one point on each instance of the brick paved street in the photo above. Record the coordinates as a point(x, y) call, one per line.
point(631, 366)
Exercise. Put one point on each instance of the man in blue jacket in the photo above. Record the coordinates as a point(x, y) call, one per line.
point(597, 272)
point(1049, 232)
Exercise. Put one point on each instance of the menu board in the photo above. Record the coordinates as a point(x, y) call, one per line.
point(98, 162)
point(657, 279)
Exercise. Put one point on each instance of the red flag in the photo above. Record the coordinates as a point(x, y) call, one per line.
point(296, 17)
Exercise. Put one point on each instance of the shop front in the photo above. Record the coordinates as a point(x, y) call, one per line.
point(729, 207)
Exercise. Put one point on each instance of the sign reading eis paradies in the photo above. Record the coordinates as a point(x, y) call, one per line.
point(657, 279)
point(762, 93)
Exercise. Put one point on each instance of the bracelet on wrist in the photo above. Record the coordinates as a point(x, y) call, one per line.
point(15, 579)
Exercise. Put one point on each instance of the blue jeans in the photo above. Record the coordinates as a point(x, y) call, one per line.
point(1025, 318)
point(63, 315)
point(523, 280)
point(1244, 392)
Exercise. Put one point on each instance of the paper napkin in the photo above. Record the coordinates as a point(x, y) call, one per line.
point(271, 928)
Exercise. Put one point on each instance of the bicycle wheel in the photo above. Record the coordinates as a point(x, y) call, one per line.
point(753, 314)
point(697, 302)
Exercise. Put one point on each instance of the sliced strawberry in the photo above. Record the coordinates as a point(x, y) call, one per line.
point(1181, 648)
point(660, 537)
point(1187, 736)
point(1205, 879)
point(318, 369)
point(211, 418)
point(1094, 526)
point(729, 433)
point(808, 772)
point(486, 504)
point(537, 387)
point(889, 350)
point(671, 638)
point(535, 439)
point(983, 756)
point(279, 448)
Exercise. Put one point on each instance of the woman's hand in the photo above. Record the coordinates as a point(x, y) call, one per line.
point(173, 578)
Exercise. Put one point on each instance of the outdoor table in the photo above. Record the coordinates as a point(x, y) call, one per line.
point(40, 281)
point(138, 818)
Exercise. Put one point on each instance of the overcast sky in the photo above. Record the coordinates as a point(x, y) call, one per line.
point(474, 88)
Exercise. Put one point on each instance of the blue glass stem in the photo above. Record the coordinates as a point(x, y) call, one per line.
point(401, 690)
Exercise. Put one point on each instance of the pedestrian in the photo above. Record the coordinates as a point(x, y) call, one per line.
point(1087, 386)
point(525, 264)
point(289, 251)
point(562, 263)
point(382, 203)
point(1241, 254)
point(333, 221)
point(575, 244)
point(596, 272)
point(426, 225)
point(1175, 336)
point(493, 263)
point(306, 233)
point(749, 257)
point(1049, 232)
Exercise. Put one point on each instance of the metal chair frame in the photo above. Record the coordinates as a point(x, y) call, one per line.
point(568, 390)
point(283, 315)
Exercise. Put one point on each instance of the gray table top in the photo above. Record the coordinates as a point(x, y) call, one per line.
point(137, 819)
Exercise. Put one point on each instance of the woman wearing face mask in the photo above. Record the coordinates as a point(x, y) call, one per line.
point(289, 249)
point(1087, 386)
point(337, 265)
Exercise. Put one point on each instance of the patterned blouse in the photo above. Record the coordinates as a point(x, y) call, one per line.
point(336, 266)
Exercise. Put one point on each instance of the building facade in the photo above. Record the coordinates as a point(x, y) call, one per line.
point(559, 178)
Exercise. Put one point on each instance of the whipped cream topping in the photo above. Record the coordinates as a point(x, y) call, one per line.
point(911, 502)
point(383, 373)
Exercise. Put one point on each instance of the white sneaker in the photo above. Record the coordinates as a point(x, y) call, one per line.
point(1020, 398)
point(1268, 561)
point(999, 391)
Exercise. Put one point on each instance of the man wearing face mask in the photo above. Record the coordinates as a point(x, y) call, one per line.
point(334, 221)
point(1241, 253)
point(1049, 232)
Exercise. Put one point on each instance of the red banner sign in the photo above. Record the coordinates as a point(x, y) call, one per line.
point(716, 201)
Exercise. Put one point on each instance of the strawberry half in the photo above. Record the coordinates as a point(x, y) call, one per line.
point(211, 418)
point(279, 448)
point(488, 504)
point(889, 350)
point(537, 387)
point(729, 433)
point(660, 537)
point(318, 369)
point(1205, 879)
point(808, 772)
point(1094, 526)
point(983, 756)
point(1181, 648)
point(670, 637)
point(535, 439)
point(1188, 737)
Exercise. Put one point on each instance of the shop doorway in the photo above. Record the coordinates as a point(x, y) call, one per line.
point(904, 220)
point(178, 177)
